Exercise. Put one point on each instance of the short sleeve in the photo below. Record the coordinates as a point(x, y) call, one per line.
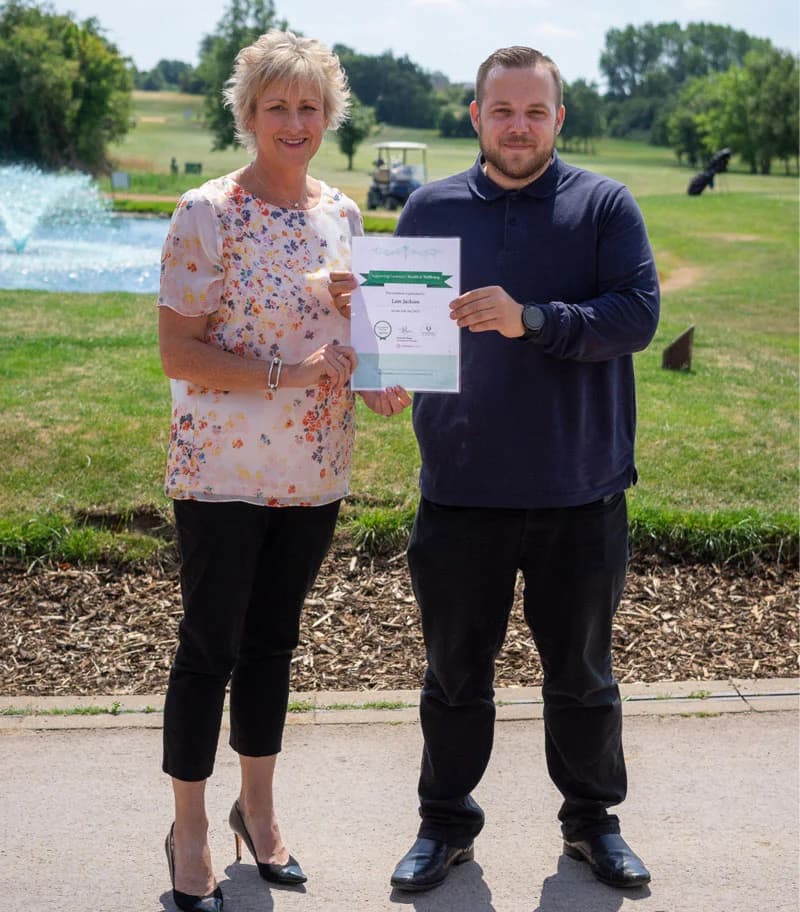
point(355, 220)
point(191, 259)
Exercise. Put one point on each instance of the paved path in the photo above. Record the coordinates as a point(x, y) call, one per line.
point(712, 809)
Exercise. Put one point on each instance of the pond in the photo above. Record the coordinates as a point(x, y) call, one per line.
point(115, 253)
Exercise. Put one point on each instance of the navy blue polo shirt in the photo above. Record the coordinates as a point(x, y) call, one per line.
point(548, 422)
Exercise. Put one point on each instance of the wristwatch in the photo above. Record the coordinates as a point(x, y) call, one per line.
point(532, 321)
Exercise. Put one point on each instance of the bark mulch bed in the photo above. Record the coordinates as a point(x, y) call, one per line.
point(102, 630)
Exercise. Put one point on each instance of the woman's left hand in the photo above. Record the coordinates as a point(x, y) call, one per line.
point(390, 401)
point(330, 364)
point(340, 286)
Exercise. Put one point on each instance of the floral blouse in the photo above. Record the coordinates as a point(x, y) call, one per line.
point(260, 274)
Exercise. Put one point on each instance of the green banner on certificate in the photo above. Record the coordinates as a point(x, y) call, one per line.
point(376, 277)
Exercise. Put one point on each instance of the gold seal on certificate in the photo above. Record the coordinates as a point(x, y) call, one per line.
point(400, 325)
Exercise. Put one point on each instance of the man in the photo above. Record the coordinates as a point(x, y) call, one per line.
point(526, 468)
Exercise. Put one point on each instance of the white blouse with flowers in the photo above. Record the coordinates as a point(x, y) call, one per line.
point(260, 274)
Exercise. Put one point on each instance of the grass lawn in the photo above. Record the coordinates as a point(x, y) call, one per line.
point(729, 269)
point(85, 406)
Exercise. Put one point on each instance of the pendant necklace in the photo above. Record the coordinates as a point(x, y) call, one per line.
point(281, 201)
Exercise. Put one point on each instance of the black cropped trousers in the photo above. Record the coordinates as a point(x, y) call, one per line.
point(245, 573)
point(464, 564)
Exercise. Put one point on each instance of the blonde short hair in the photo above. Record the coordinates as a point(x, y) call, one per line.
point(284, 57)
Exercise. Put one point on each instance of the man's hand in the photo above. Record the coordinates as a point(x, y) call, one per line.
point(390, 401)
point(490, 308)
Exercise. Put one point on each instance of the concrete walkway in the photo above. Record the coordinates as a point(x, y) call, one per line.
point(712, 807)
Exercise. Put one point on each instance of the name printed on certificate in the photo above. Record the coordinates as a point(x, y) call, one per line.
point(400, 316)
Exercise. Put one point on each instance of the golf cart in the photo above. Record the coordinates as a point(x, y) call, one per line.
point(400, 167)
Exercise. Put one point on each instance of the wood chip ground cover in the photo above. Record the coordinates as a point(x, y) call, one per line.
point(97, 631)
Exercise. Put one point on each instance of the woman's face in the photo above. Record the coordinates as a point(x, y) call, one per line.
point(288, 124)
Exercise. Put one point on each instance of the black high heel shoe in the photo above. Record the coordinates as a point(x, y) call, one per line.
point(186, 901)
point(290, 873)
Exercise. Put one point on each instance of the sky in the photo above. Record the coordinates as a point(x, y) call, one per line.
point(449, 36)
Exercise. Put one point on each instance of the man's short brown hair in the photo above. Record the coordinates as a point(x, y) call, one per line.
point(517, 57)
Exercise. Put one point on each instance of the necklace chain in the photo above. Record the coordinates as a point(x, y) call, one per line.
point(291, 204)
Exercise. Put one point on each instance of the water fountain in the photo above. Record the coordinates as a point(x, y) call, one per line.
point(57, 233)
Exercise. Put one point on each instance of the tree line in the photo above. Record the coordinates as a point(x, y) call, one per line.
point(700, 88)
point(65, 90)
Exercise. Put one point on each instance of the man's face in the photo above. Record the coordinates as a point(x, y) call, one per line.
point(517, 123)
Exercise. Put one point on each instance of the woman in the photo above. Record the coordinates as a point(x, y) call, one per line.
point(261, 438)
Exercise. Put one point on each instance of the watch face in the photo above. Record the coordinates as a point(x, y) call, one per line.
point(533, 318)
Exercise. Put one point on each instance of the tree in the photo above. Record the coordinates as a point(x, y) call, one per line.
point(65, 91)
point(399, 90)
point(359, 125)
point(149, 80)
point(456, 123)
point(191, 82)
point(647, 66)
point(584, 120)
point(685, 127)
point(647, 59)
point(243, 22)
point(752, 108)
point(772, 77)
point(174, 75)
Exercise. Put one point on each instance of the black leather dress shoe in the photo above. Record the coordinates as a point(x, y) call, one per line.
point(427, 863)
point(611, 859)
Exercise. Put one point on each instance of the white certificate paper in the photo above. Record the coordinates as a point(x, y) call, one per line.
point(400, 321)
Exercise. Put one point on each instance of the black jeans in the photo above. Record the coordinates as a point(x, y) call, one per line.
point(245, 572)
point(464, 564)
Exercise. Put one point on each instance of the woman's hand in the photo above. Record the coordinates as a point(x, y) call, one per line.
point(332, 364)
point(390, 401)
point(340, 286)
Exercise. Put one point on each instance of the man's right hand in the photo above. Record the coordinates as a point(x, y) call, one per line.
point(390, 401)
point(489, 308)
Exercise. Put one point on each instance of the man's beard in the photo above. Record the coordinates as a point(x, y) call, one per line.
point(527, 168)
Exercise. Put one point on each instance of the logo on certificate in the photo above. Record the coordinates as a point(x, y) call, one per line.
point(382, 329)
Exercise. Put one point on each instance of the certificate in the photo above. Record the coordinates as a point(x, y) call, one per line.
point(400, 321)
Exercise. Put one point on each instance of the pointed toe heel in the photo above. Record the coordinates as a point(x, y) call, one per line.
point(187, 902)
point(289, 874)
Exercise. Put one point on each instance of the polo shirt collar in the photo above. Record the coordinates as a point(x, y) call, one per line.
point(488, 190)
